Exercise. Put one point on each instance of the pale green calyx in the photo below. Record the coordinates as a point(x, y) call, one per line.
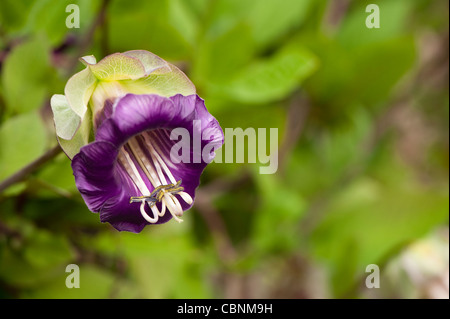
point(66, 120)
point(136, 72)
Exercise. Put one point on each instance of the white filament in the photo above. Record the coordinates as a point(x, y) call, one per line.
point(156, 171)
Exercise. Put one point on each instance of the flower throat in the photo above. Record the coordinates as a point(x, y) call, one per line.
point(143, 159)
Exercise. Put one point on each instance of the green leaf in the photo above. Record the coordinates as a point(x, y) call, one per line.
point(268, 21)
point(22, 140)
point(382, 64)
point(13, 14)
point(183, 19)
point(270, 79)
point(220, 57)
point(271, 20)
point(26, 76)
point(329, 84)
point(393, 18)
point(361, 74)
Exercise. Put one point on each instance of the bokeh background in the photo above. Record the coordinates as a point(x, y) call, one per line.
point(363, 151)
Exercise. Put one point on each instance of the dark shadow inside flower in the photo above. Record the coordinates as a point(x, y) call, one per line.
point(131, 157)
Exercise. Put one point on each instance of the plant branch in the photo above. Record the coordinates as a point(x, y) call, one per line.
point(296, 118)
point(30, 168)
point(99, 21)
point(216, 225)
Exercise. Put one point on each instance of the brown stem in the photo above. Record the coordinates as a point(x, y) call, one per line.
point(216, 225)
point(296, 117)
point(30, 168)
point(87, 40)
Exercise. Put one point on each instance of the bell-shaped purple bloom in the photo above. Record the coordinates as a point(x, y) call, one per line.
point(128, 173)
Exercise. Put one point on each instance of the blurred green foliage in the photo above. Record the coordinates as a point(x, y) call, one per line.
point(363, 127)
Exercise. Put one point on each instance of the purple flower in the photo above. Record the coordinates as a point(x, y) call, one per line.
point(130, 157)
point(131, 172)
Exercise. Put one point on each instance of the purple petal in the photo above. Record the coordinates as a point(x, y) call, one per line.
point(132, 151)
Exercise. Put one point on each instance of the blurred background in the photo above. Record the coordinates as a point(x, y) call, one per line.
point(363, 151)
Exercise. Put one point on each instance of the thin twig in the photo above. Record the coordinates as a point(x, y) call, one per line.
point(296, 117)
point(335, 14)
point(30, 168)
point(216, 225)
point(89, 36)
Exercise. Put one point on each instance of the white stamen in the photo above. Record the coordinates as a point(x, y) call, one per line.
point(178, 205)
point(186, 197)
point(163, 208)
point(155, 211)
point(157, 173)
point(143, 161)
point(160, 141)
point(158, 168)
point(144, 214)
point(159, 145)
point(173, 209)
point(160, 160)
point(136, 177)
